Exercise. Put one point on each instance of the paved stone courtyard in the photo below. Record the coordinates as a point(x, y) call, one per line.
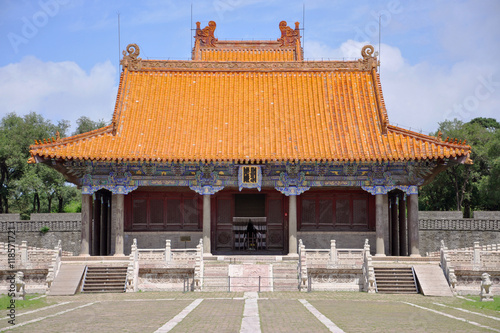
point(252, 312)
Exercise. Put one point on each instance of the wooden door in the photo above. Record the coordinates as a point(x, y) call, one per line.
point(277, 231)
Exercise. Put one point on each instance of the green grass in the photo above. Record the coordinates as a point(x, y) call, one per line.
point(26, 304)
point(495, 305)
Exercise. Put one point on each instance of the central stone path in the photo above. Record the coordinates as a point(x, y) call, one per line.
point(251, 320)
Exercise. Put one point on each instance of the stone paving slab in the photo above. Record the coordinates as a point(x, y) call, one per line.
point(219, 316)
point(285, 316)
point(388, 317)
point(278, 312)
point(110, 317)
point(21, 317)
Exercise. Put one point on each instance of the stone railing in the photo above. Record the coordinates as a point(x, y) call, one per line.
point(133, 268)
point(28, 257)
point(486, 257)
point(448, 269)
point(168, 256)
point(302, 267)
point(368, 270)
point(55, 265)
point(334, 257)
point(198, 267)
point(164, 258)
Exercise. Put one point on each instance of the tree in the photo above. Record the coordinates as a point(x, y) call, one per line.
point(85, 124)
point(16, 135)
point(464, 187)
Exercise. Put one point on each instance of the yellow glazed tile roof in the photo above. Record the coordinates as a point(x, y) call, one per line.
point(188, 111)
point(247, 55)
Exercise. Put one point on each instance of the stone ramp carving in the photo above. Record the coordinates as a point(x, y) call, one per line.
point(67, 280)
point(432, 280)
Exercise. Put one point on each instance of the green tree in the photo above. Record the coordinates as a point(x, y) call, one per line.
point(18, 180)
point(85, 124)
point(463, 186)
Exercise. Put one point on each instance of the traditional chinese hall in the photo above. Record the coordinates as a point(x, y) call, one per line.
point(249, 147)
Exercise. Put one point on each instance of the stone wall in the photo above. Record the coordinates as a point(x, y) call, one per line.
point(56, 217)
point(64, 227)
point(156, 240)
point(10, 217)
point(456, 231)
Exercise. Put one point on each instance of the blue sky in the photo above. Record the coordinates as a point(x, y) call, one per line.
point(439, 59)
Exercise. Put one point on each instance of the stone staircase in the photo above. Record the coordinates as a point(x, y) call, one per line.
point(395, 280)
point(105, 279)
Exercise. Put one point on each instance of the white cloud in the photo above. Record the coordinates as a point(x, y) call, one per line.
point(58, 90)
point(423, 94)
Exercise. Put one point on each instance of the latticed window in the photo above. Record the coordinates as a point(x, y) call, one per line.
point(163, 211)
point(336, 211)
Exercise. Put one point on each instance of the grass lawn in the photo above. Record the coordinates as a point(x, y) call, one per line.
point(28, 303)
point(495, 305)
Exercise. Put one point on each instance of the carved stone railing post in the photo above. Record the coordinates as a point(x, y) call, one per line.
point(448, 270)
point(302, 267)
point(333, 253)
point(476, 264)
point(198, 267)
point(368, 270)
point(54, 266)
point(133, 268)
point(168, 251)
point(23, 248)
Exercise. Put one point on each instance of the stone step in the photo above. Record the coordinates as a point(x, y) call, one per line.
point(395, 280)
point(105, 279)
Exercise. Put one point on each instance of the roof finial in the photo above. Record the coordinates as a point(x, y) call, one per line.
point(132, 58)
point(206, 35)
point(369, 56)
point(289, 37)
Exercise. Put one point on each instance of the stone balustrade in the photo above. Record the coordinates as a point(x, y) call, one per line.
point(28, 257)
point(486, 257)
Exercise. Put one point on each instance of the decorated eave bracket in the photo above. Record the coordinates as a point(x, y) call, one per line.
point(384, 189)
point(289, 179)
point(116, 182)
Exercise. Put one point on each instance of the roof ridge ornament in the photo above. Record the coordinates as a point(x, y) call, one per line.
point(132, 58)
point(369, 57)
point(206, 35)
point(289, 36)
